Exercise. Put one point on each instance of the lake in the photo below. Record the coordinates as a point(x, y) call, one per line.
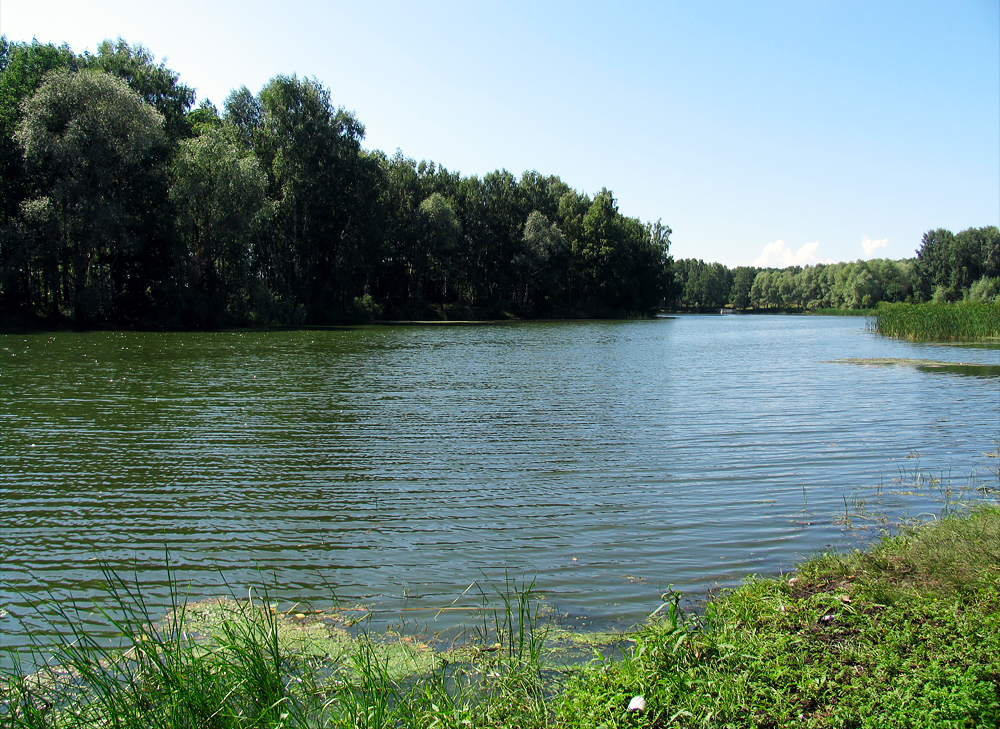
point(394, 466)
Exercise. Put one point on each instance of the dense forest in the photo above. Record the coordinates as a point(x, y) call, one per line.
point(123, 204)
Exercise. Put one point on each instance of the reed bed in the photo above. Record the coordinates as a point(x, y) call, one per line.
point(963, 321)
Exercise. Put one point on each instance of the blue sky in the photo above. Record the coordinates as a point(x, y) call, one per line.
point(769, 132)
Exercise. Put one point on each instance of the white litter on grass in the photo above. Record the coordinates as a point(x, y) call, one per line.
point(638, 703)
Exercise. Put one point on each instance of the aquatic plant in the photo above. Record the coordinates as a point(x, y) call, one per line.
point(962, 321)
point(243, 663)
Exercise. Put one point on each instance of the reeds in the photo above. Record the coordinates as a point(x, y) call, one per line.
point(246, 668)
point(157, 674)
point(967, 321)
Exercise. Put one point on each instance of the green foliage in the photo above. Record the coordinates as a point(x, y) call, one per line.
point(167, 222)
point(739, 292)
point(948, 265)
point(542, 264)
point(310, 151)
point(961, 321)
point(91, 142)
point(855, 285)
point(22, 68)
point(904, 635)
point(339, 225)
point(155, 84)
point(205, 118)
point(219, 192)
point(436, 236)
point(243, 111)
point(986, 289)
point(701, 285)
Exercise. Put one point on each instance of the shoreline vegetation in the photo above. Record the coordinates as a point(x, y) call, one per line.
point(905, 633)
point(962, 321)
point(124, 205)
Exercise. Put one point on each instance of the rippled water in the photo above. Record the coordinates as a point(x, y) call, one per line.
point(397, 465)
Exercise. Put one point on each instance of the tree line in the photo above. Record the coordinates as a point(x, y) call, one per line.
point(947, 268)
point(123, 204)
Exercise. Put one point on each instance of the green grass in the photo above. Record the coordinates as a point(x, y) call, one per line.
point(968, 321)
point(242, 663)
point(904, 634)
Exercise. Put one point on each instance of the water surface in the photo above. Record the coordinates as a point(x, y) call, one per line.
point(397, 465)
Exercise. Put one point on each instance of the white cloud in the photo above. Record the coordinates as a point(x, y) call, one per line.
point(871, 246)
point(779, 255)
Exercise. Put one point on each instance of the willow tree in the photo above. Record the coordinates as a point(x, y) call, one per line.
point(157, 85)
point(93, 142)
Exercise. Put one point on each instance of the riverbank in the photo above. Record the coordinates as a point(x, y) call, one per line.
point(905, 633)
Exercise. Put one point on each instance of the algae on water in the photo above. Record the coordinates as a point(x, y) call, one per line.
point(969, 369)
point(330, 637)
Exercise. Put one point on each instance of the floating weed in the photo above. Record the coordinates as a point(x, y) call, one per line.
point(968, 369)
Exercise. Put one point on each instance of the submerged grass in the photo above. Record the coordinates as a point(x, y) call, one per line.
point(968, 369)
point(904, 634)
point(968, 321)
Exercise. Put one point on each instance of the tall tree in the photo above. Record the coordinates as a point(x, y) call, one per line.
point(219, 191)
point(243, 111)
point(542, 264)
point(22, 69)
point(739, 292)
point(312, 152)
point(602, 258)
point(156, 84)
point(932, 267)
point(93, 142)
point(436, 236)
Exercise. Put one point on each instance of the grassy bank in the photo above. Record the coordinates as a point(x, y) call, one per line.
point(905, 634)
point(902, 635)
point(965, 321)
